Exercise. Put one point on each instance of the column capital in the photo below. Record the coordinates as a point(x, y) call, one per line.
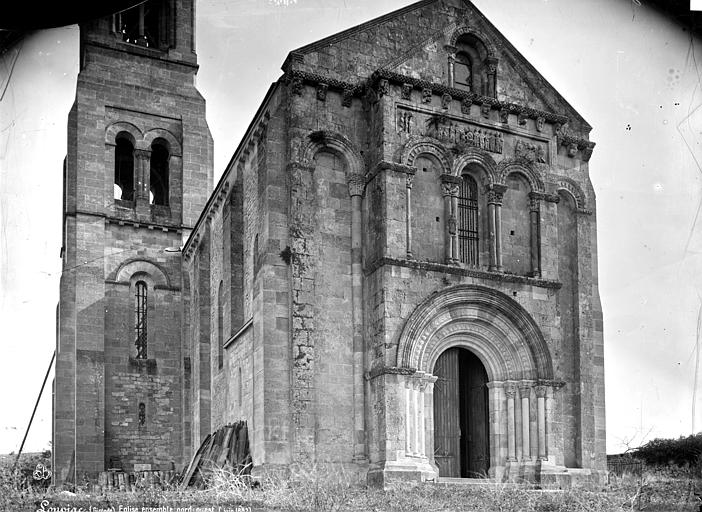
point(356, 184)
point(510, 390)
point(410, 180)
point(142, 154)
point(524, 390)
point(495, 194)
point(540, 391)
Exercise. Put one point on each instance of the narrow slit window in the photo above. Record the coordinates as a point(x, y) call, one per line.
point(158, 175)
point(468, 232)
point(142, 414)
point(140, 320)
point(124, 169)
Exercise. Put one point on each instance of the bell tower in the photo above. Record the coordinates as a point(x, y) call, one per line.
point(137, 175)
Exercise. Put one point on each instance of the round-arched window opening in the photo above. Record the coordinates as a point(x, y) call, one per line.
point(124, 169)
point(158, 175)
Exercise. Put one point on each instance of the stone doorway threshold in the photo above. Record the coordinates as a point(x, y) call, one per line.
point(484, 482)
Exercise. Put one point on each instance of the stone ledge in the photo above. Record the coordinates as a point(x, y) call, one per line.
point(461, 271)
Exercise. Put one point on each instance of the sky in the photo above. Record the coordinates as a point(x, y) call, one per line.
point(632, 74)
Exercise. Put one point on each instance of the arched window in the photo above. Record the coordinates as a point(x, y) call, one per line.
point(220, 327)
point(158, 175)
point(124, 169)
point(140, 326)
point(463, 71)
point(468, 228)
point(474, 67)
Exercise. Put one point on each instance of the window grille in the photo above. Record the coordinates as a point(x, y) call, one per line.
point(140, 320)
point(468, 232)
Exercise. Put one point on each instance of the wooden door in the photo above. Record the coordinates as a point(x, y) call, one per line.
point(447, 431)
point(477, 441)
point(461, 439)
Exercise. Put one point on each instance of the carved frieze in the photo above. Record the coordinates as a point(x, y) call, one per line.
point(404, 121)
point(457, 134)
point(529, 152)
point(441, 128)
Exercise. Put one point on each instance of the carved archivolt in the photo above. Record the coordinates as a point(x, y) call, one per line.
point(484, 39)
point(114, 129)
point(480, 158)
point(574, 190)
point(507, 167)
point(489, 323)
point(336, 142)
point(416, 147)
point(134, 266)
point(159, 133)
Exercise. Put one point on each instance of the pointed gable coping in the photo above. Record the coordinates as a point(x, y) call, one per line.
point(327, 41)
point(533, 78)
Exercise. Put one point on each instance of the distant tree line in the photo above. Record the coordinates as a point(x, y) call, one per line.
point(680, 452)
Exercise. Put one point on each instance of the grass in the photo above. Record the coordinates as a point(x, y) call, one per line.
point(330, 488)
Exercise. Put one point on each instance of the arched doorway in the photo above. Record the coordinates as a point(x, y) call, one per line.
point(461, 435)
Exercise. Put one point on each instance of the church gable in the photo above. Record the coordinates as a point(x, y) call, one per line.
point(439, 43)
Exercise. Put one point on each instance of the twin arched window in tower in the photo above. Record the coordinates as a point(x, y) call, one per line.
point(132, 167)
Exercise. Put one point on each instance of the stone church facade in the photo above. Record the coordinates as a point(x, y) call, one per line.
point(396, 272)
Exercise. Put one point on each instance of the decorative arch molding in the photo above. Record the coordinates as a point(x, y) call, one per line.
point(492, 325)
point(174, 148)
point(507, 167)
point(336, 142)
point(572, 188)
point(425, 145)
point(480, 158)
point(134, 266)
point(115, 129)
point(481, 36)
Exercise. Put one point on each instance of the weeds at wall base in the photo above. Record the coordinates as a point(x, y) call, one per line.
point(330, 488)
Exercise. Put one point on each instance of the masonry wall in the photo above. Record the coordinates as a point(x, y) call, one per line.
point(145, 93)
